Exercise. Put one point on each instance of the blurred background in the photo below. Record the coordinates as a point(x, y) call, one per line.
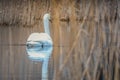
point(86, 36)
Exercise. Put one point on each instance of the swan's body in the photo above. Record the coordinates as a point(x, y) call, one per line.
point(39, 47)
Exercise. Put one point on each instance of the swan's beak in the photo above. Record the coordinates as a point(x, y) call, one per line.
point(50, 20)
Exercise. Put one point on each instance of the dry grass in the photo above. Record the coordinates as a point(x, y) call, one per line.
point(94, 56)
point(86, 36)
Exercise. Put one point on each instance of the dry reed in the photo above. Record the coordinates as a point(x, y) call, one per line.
point(86, 37)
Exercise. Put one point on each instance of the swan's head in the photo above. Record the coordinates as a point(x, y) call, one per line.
point(39, 46)
point(46, 16)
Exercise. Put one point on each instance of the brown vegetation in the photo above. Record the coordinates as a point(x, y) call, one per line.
point(86, 37)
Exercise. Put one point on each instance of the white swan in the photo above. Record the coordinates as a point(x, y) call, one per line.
point(39, 46)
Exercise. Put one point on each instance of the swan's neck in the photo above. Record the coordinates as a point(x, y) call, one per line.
point(45, 69)
point(46, 25)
